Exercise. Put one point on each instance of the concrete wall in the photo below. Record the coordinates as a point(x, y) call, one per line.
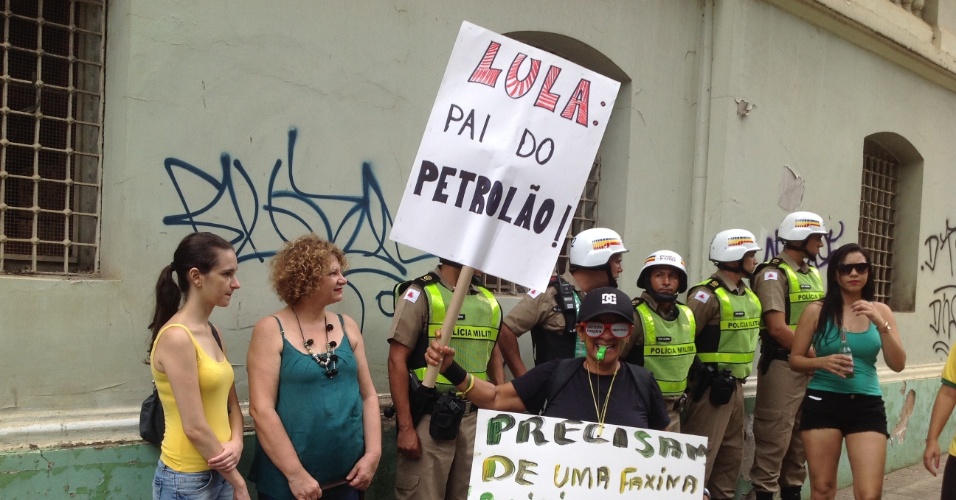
point(125, 470)
point(232, 117)
point(263, 121)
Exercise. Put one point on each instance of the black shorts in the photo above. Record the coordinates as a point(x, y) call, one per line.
point(848, 413)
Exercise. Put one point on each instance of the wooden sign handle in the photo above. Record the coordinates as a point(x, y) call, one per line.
point(451, 317)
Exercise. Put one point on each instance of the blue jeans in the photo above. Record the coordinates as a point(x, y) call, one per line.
point(169, 484)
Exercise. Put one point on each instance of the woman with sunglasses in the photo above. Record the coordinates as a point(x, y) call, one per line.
point(605, 321)
point(203, 440)
point(318, 427)
point(843, 400)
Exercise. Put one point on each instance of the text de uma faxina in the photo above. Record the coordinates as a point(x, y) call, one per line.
point(628, 477)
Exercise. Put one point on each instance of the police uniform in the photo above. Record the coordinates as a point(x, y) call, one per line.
point(728, 319)
point(444, 468)
point(668, 350)
point(782, 285)
point(543, 314)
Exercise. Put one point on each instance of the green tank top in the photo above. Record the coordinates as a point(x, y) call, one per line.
point(321, 415)
point(865, 346)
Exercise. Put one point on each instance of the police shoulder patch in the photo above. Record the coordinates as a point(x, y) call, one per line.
point(702, 296)
point(770, 275)
point(412, 295)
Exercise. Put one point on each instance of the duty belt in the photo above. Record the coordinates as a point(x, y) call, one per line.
point(469, 406)
point(781, 354)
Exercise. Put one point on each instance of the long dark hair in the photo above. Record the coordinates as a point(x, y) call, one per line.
point(199, 250)
point(832, 309)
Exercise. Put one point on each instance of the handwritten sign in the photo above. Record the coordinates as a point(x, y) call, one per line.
point(505, 155)
point(519, 456)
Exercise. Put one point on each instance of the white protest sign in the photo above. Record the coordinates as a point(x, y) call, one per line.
point(520, 456)
point(505, 155)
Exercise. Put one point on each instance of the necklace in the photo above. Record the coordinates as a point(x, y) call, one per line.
point(328, 359)
point(602, 413)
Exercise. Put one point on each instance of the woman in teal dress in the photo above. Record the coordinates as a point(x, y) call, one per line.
point(318, 429)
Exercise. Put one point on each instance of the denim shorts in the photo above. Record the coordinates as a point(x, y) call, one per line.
point(848, 413)
point(169, 484)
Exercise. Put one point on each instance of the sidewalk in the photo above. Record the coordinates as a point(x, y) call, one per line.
point(913, 482)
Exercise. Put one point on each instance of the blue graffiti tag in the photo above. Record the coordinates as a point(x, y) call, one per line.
point(362, 232)
point(774, 245)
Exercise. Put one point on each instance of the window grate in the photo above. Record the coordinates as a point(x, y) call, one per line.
point(51, 118)
point(878, 206)
point(585, 217)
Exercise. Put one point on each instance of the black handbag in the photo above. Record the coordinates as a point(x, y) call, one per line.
point(152, 420)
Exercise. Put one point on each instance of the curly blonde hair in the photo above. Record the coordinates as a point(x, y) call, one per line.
point(296, 269)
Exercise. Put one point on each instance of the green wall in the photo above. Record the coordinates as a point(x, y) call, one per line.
point(125, 470)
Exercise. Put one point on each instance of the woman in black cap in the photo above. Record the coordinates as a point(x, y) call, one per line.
point(577, 388)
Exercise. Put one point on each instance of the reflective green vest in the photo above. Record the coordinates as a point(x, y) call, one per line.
point(804, 289)
point(668, 347)
point(738, 330)
point(476, 331)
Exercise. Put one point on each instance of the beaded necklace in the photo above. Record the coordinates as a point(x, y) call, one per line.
point(328, 359)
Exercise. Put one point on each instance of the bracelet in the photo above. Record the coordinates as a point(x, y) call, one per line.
point(455, 373)
point(471, 384)
point(886, 327)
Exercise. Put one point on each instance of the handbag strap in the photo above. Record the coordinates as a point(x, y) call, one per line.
point(215, 334)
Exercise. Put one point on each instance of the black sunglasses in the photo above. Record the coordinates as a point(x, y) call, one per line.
point(860, 268)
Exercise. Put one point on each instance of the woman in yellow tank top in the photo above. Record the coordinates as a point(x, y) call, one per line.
point(203, 440)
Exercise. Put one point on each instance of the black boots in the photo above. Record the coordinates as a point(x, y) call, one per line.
point(790, 492)
point(786, 493)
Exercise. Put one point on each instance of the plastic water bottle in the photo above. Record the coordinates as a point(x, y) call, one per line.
point(845, 349)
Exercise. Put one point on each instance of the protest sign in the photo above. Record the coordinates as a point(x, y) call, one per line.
point(505, 155)
point(521, 456)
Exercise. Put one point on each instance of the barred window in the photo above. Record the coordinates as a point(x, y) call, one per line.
point(878, 207)
point(51, 135)
point(584, 218)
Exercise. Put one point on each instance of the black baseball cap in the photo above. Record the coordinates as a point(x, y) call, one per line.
point(606, 300)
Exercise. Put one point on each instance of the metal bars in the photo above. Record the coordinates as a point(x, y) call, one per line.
point(585, 217)
point(878, 203)
point(51, 118)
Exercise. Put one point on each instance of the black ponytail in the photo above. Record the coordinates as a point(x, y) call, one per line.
point(197, 250)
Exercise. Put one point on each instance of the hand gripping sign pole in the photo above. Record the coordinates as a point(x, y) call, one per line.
point(451, 317)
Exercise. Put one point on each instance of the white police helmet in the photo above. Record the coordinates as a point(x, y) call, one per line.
point(731, 245)
point(798, 226)
point(593, 248)
point(663, 258)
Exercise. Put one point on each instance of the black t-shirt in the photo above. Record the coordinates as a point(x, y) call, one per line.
point(633, 403)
